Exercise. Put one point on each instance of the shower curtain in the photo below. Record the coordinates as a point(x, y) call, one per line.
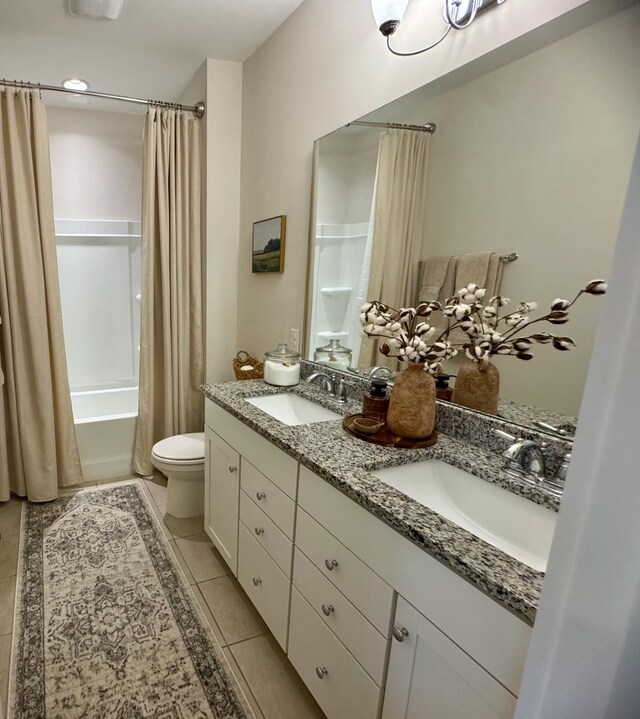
point(38, 449)
point(399, 207)
point(171, 335)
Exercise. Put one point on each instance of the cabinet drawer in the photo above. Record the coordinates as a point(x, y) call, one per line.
point(281, 469)
point(265, 584)
point(270, 498)
point(370, 594)
point(277, 545)
point(339, 684)
point(358, 635)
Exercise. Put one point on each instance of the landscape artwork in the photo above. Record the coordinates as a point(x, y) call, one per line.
point(268, 244)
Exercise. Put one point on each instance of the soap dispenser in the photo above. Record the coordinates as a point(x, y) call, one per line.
point(443, 391)
point(376, 401)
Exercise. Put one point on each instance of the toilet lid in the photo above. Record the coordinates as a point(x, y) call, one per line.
point(181, 447)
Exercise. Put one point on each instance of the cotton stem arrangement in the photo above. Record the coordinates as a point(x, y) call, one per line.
point(409, 337)
point(404, 332)
point(491, 333)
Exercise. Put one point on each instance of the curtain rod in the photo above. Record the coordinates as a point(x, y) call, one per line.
point(427, 127)
point(197, 109)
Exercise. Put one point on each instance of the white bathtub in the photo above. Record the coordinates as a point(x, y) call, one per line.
point(105, 423)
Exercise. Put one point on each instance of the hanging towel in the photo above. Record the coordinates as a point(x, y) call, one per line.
point(437, 284)
point(480, 268)
point(432, 277)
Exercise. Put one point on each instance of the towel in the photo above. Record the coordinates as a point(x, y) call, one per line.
point(442, 276)
point(480, 268)
point(437, 284)
point(432, 277)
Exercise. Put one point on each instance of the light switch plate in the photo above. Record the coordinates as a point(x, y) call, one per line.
point(294, 340)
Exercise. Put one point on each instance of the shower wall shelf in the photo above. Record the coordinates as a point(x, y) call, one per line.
point(336, 291)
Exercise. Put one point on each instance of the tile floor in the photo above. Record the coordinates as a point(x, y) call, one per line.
point(272, 686)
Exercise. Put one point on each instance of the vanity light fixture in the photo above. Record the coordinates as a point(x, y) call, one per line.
point(76, 84)
point(95, 9)
point(457, 15)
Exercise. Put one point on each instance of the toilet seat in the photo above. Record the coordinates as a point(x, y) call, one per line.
point(181, 449)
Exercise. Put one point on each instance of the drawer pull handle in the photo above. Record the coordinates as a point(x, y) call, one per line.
point(330, 564)
point(400, 633)
point(321, 672)
point(260, 495)
point(259, 531)
point(232, 469)
point(256, 581)
point(327, 609)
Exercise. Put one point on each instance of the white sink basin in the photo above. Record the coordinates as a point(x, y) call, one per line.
point(515, 525)
point(291, 409)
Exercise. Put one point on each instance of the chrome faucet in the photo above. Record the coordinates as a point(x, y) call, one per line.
point(526, 460)
point(338, 388)
point(325, 381)
point(378, 372)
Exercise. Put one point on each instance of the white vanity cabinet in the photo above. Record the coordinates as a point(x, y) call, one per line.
point(250, 492)
point(375, 626)
point(430, 676)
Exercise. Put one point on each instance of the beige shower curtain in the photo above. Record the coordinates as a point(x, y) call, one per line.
point(38, 444)
point(171, 337)
point(398, 226)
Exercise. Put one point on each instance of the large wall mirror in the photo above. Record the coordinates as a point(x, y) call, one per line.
point(532, 158)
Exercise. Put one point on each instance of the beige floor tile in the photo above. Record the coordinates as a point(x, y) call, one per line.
point(203, 559)
point(183, 565)
point(209, 617)
point(232, 610)
point(278, 689)
point(157, 513)
point(243, 683)
point(9, 554)
point(5, 652)
point(158, 491)
point(10, 513)
point(184, 527)
point(7, 599)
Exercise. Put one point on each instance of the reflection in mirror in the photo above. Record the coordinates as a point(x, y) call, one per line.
point(531, 158)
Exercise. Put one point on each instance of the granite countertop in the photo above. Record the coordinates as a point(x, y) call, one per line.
point(346, 463)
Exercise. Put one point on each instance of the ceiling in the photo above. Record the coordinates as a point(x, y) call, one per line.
point(152, 50)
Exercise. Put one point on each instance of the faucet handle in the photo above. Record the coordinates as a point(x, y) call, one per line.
point(505, 435)
point(561, 473)
point(342, 389)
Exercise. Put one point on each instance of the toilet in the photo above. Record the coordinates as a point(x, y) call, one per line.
point(181, 460)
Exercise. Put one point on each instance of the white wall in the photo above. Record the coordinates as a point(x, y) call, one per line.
point(96, 164)
point(219, 84)
point(324, 67)
point(224, 122)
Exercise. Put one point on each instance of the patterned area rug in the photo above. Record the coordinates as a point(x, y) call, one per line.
point(106, 624)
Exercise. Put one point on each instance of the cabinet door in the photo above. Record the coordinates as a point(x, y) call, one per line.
point(222, 496)
point(430, 677)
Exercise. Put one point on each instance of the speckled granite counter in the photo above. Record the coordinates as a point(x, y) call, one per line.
point(345, 462)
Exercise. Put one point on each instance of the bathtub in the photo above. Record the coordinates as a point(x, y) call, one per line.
point(105, 421)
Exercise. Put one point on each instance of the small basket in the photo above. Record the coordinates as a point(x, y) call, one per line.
point(247, 367)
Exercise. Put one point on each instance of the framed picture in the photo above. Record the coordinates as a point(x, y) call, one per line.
point(268, 244)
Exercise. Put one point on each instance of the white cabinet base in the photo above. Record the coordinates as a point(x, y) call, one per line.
point(430, 676)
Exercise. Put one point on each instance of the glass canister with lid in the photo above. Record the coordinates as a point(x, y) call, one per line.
point(282, 367)
point(334, 354)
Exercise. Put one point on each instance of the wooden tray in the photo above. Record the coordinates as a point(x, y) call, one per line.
point(386, 437)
